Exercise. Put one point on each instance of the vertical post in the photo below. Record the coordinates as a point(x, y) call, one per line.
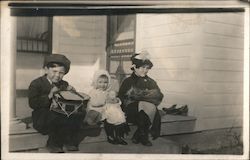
point(8, 68)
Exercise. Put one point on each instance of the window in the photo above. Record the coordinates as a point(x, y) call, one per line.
point(34, 34)
point(120, 45)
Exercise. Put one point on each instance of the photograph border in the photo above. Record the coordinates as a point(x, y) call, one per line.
point(97, 7)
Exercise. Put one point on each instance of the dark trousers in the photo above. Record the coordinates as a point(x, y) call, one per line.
point(141, 119)
point(63, 130)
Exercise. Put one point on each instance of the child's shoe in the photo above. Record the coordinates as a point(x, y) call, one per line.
point(119, 140)
point(112, 141)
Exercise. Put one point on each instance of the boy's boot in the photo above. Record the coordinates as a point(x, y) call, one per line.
point(136, 137)
point(54, 145)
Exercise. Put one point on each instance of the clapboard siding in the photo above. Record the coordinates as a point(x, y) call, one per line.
point(230, 42)
point(172, 86)
point(223, 87)
point(218, 53)
point(234, 19)
point(161, 30)
point(223, 29)
point(172, 63)
point(168, 39)
point(169, 75)
point(220, 111)
point(223, 76)
point(217, 99)
point(166, 19)
point(170, 52)
point(198, 60)
point(219, 64)
point(165, 40)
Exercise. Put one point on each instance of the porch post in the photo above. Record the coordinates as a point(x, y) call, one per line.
point(8, 61)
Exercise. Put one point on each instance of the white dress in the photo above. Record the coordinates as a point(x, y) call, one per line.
point(97, 100)
point(114, 114)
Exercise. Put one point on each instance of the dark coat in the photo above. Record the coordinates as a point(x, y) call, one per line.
point(40, 103)
point(135, 89)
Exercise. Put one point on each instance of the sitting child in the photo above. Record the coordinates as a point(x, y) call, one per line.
point(98, 94)
point(108, 110)
point(61, 130)
point(115, 121)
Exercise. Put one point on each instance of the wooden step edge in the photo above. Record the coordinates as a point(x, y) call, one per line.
point(165, 119)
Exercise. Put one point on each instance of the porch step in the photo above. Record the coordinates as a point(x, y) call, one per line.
point(171, 124)
point(160, 146)
point(31, 139)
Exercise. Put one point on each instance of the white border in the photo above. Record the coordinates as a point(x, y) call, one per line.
point(5, 100)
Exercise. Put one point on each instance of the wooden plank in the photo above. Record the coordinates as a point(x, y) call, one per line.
point(235, 19)
point(222, 76)
point(169, 75)
point(223, 88)
point(170, 52)
point(220, 111)
point(26, 141)
point(222, 53)
point(223, 29)
point(176, 118)
point(171, 63)
point(174, 86)
point(167, 19)
point(164, 41)
point(170, 125)
point(223, 41)
point(217, 64)
point(166, 30)
point(222, 99)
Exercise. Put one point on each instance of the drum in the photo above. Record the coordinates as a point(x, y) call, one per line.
point(69, 102)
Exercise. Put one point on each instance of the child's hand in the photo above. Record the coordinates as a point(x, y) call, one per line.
point(53, 91)
point(70, 88)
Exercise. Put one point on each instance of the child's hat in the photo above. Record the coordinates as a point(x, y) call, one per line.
point(58, 58)
point(141, 59)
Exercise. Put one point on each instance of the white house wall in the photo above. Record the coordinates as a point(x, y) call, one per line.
point(198, 60)
point(222, 70)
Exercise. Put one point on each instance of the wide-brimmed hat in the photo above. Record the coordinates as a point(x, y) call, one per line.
point(57, 58)
point(141, 59)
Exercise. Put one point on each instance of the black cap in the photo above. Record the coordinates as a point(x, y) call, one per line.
point(57, 58)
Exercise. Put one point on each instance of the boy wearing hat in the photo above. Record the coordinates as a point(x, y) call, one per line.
point(140, 96)
point(62, 130)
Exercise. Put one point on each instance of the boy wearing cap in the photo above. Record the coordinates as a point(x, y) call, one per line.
point(140, 96)
point(60, 129)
